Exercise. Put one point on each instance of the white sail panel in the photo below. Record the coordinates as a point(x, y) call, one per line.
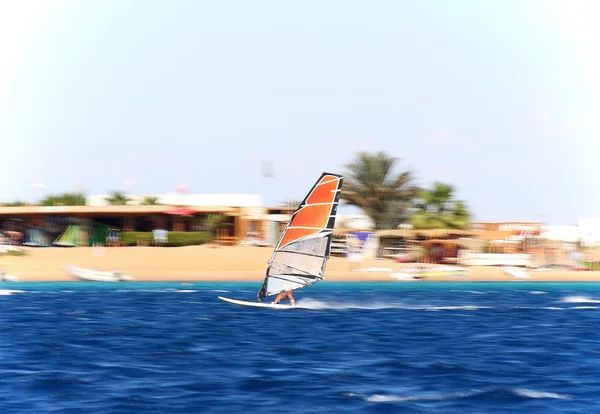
point(298, 263)
point(316, 245)
point(281, 283)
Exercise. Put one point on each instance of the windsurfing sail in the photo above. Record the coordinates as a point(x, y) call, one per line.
point(72, 236)
point(302, 251)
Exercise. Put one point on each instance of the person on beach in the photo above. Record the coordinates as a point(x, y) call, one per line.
point(283, 295)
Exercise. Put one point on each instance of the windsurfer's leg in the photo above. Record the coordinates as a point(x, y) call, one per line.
point(277, 298)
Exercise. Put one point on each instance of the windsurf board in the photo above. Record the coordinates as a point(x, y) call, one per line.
point(256, 304)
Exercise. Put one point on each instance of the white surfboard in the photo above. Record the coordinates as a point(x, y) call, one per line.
point(256, 304)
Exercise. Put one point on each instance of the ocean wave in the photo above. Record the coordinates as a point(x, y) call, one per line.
point(7, 292)
point(486, 393)
point(172, 290)
point(524, 392)
point(459, 307)
point(579, 299)
point(320, 305)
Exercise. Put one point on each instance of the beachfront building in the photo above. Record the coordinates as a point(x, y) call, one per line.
point(511, 228)
point(590, 231)
point(241, 214)
point(566, 234)
point(188, 200)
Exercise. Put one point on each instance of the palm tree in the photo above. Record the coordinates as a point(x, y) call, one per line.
point(14, 204)
point(66, 199)
point(150, 201)
point(437, 209)
point(117, 199)
point(215, 221)
point(373, 184)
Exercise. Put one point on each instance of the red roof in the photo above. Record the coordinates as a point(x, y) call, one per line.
point(181, 211)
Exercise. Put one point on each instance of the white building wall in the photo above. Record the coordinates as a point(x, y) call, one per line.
point(570, 234)
point(354, 221)
point(590, 229)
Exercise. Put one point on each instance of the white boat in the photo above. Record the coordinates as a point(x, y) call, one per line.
point(515, 272)
point(300, 255)
point(405, 276)
point(93, 275)
point(421, 272)
point(7, 278)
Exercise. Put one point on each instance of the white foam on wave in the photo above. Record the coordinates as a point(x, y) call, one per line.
point(521, 392)
point(538, 292)
point(524, 392)
point(220, 291)
point(8, 292)
point(318, 305)
point(584, 307)
point(579, 299)
point(475, 292)
point(157, 290)
point(383, 398)
point(460, 307)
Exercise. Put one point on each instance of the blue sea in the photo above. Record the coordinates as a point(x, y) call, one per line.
point(413, 347)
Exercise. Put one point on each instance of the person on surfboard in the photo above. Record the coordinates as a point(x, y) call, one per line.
point(285, 295)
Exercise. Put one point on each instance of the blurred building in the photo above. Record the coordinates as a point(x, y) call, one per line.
point(354, 222)
point(514, 228)
point(590, 231)
point(568, 234)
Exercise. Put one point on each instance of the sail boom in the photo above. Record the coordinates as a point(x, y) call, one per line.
point(301, 254)
point(284, 277)
point(305, 227)
point(321, 204)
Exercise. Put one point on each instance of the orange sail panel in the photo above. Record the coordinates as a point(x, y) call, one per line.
point(294, 234)
point(314, 215)
point(324, 193)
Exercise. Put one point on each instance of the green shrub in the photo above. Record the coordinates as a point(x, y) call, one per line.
point(592, 265)
point(174, 238)
point(19, 252)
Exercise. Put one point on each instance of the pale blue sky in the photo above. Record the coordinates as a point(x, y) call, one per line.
point(500, 98)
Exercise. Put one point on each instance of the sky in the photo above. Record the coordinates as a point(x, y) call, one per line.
point(499, 98)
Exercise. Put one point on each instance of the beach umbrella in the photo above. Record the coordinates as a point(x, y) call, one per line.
point(180, 211)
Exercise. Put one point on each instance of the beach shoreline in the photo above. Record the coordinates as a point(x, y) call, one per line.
point(233, 264)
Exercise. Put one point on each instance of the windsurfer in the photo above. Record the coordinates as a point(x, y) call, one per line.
point(283, 295)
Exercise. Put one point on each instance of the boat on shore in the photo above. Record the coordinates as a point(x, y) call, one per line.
point(516, 272)
point(93, 275)
point(7, 278)
point(422, 272)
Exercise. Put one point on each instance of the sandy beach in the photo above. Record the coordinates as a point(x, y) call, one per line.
point(238, 263)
